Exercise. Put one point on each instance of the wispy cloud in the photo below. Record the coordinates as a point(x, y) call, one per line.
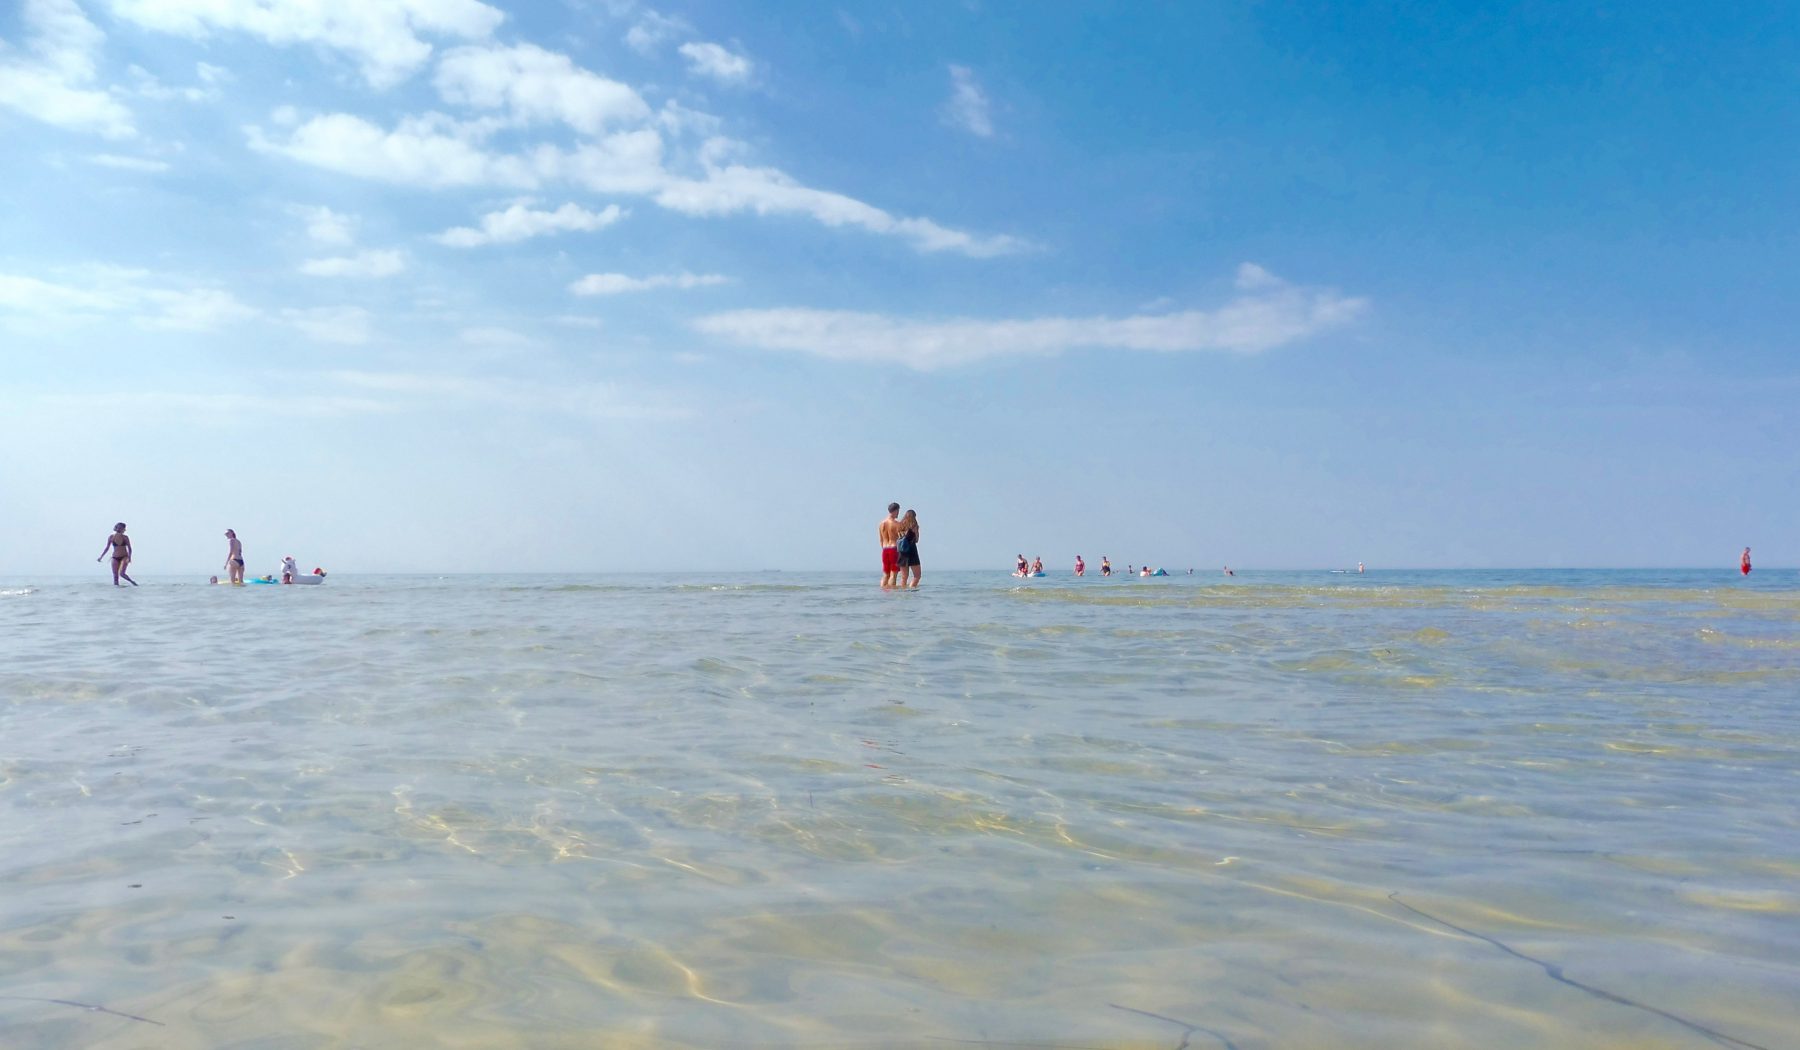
point(371, 263)
point(618, 283)
point(386, 39)
point(593, 400)
point(143, 298)
point(146, 85)
point(493, 337)
point(1265, 313)
point(124, 163)
point(619, 148)
point(533, 85)
point(712, 60)
point(52, 79)
point(652, 29)
point(216, 408)
point(969, 108)
point(520, 222)
point(344, 325)
point(428, 151)
point(325, 226)
point(737, 188)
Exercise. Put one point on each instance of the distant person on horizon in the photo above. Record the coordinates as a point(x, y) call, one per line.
point(1105, 566)
point(120, 546)
point(1228, 571)
point(907, 550)
point(1024, 568)
point(234, 558)
point(1080, 566)
point(1037, 565)
point(1359, 566)
point(889, 534)
point(1744, 562)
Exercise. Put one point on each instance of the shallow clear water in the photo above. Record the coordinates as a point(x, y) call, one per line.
point(1284, 810)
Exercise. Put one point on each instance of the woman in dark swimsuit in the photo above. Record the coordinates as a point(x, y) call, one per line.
point(120, 546)
point(909, 550)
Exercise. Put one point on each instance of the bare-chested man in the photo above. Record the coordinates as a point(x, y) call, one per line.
point(234, 559)
point(889, 533)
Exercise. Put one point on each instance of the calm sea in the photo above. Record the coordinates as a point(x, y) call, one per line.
point(1544, 809)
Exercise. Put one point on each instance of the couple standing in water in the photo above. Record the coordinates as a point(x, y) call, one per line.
point(899, 548)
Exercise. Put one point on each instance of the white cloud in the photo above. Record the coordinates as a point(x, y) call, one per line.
point(1266, 313)
point(143, 298)
point(520, 222)
point(618, 283)
point(575, 398)
point(626, 162)
point(52, 83)
point(534, 86)
point(531, 85)
point(345, 325)
point(968, 107)
point(123, 163)
point(383, 36)
point(193, 309)
point(325, 226)
point(493, 336)
point(711, 60)
point(31, 295)
point(149, 87)
point(1251, 277)
point(652, 30)
point(371, 263)
point(678, 120)
point(423, 151)
point(578, 321)
point(209, 407)
point(767, 191)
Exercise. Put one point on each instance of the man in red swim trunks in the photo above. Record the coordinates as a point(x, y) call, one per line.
point(1744, 562)
point(889, 532)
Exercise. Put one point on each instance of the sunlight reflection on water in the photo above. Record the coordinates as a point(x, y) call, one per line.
point(1458, 810)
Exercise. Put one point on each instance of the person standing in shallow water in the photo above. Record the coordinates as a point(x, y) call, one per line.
point(889, 534)
point(1744, 562)
point(234, 558)
point(120, 546)
point(907, 549)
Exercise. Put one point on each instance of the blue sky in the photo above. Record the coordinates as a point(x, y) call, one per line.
point(437, 285)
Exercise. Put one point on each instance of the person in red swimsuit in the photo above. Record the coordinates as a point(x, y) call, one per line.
point(889, 533)
point(1744, 562)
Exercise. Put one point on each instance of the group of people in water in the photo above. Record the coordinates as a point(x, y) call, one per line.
point(899, 536)
point(1035, 567)
point(118, 544)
